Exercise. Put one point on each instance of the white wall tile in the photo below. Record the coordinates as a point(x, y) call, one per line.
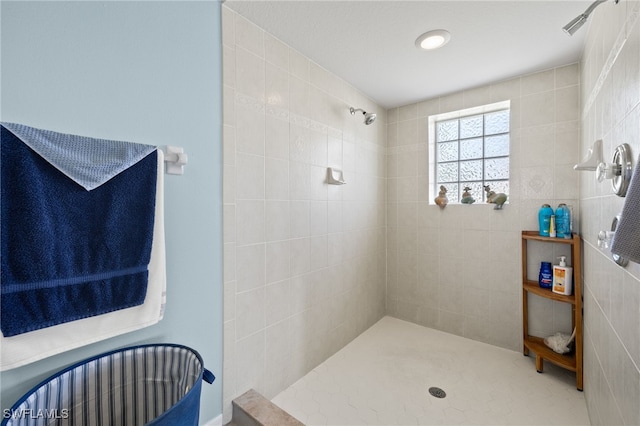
point(285, 122)
point(278, 301)
point(250, 270)
point(250, 312)
point(249, 36)
point(277, 138)
point(250, 177)
point(277, 261)
point(277, 220)
point(276, 52)
point(277, 86)
point(538, 109)
point(276, 179)
point(250, 74)
point(250, 123)
point(250, 217)
point(539, 82)
point(299, 65)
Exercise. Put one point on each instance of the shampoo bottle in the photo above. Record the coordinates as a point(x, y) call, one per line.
point(544, 219)
point(562, 278)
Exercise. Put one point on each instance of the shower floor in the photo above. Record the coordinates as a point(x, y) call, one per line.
point(383, 378)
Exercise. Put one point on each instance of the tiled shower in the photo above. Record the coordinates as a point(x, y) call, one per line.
point(309, 266)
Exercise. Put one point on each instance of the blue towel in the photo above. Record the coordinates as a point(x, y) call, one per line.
point(88, 161)
point(68, 253)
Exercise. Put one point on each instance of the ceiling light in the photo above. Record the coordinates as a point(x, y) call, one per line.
point(433, 39)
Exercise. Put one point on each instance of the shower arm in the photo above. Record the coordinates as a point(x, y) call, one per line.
point(593, 6)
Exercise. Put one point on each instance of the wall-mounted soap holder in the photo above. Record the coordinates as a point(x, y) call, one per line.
point(619, 170)
point(335, 176)
point(605, 238)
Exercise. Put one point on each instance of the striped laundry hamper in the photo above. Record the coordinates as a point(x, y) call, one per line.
point(155, 384)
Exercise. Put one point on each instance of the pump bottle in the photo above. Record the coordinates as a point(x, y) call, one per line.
point(562, 278)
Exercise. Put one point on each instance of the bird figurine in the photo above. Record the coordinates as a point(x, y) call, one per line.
point(495, 198)
point(442, 200)
point(466, 196)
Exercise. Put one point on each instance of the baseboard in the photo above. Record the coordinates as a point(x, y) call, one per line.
point(217, 421)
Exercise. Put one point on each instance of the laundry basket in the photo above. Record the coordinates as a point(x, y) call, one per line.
point(150, 384)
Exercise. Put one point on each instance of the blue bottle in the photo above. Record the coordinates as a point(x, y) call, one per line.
point(544, 219)
point(563, 221)
point(545, 278)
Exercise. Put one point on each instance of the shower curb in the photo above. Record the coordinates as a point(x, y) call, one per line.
point(253, 409)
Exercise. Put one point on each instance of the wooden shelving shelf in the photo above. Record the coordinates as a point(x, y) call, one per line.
point(572, 361)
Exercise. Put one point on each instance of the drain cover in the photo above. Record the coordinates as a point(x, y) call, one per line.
point(437, 392)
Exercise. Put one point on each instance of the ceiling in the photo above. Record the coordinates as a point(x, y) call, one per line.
point(370, 44)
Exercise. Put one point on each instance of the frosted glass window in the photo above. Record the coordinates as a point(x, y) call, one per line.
point(447, 131)
point(448, 172)
point(496, 146)
point(470, 170)
point(472, 151)
point(496, 122)
point(471, 148)
point(448, 151)
point(471, 127)
point(496, 168)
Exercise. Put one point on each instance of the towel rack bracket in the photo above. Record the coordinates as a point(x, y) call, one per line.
point(174, 159)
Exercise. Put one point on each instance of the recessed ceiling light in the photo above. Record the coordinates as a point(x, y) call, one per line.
point(433, 39)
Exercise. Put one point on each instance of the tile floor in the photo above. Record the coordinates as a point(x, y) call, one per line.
point(383, 377)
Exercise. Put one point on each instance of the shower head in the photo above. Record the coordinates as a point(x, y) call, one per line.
point(575, 24)
point(369, 117)
point(579, 20)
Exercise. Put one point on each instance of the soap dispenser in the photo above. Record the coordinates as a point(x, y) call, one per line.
point(562, 278)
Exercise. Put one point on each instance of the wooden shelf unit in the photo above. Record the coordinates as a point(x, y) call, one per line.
point(573, 360)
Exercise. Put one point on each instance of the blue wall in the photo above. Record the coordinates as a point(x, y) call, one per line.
point(147, 72)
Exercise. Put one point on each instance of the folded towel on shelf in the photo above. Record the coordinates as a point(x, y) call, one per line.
point(69, 253)
point(626, 241)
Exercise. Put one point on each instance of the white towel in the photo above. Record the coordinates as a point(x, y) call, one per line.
point(626, 242)
point(26, 348)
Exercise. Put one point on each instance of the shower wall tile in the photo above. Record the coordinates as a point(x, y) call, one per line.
point(228, 66)
point(229, 145)
point(251, 273)
point(477, 96)
point(304, 261)
point(249, 36)
point(250, 220)
point(276, 52)
point(277, 86)
point(277, 220)
point(538, 109)
point(609, 108)
point(250, 74)
point(250, 177)
point(539, 82)
point(299, 65)
point(250, 312)
point(458, 269)
point(276, 179)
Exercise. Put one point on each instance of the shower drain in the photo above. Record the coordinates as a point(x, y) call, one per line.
point(437, 392)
